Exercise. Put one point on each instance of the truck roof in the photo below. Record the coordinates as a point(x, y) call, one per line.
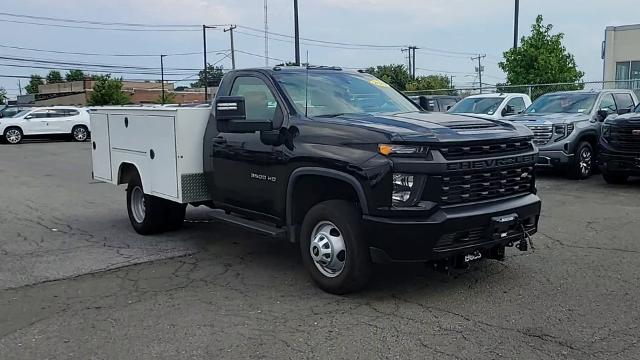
point(279, 68)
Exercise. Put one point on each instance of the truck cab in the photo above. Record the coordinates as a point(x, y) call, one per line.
point(336, 161)
point(567, 126)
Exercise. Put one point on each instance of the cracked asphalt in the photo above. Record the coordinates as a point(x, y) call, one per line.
point(77, 283)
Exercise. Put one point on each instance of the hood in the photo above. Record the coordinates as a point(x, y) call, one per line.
point(430, 126)
point(626, 119)
point(549, 118)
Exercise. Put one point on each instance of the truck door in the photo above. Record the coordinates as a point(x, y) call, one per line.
point(248, 173)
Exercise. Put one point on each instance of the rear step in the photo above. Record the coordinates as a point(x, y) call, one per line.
point(251, 225)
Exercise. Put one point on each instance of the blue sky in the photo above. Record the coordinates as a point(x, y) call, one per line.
point(458, 26)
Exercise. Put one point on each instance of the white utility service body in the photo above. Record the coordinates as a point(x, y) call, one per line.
point(164, 144)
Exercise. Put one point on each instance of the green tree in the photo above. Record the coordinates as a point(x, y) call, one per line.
point(34, 82)
point(540, 59)
point(74, 75)
point(108, 91)
point(3, 96)
point(431, 82)
point(394, 75)
point(54, 77)
point(169, 98)
point(214, 76)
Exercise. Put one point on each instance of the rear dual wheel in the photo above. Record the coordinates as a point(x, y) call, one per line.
point(149, 214)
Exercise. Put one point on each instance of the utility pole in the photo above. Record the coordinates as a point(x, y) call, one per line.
point(162, 76)
point(233, 51)
point(479, 68)
point(204, 52)
point(20, 87)
point(297, 31)
point(413, 61)
point(451, 81)
point(408, 58)
point(266, 35)
point(515, 24)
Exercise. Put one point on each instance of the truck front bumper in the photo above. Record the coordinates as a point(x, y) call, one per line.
point(452, 231)
point(554, 159)
point(623, 164)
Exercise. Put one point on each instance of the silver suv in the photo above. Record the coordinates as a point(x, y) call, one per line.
point(566, 126)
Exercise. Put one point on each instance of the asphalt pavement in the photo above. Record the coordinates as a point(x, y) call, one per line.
point(77, 283)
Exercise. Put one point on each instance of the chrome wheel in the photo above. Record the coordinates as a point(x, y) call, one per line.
point(586, 161)
point(80, 133)
point(13, 136)
point(328, 249)
point(137, 204)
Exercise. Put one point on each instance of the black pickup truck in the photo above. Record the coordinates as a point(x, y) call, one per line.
point(620, 147)
point(336, 161)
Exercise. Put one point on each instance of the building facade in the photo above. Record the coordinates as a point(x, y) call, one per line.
point(621, 56)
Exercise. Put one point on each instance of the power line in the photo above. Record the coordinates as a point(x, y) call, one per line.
point(106, 54)
point(58, 62)
point(97, 22)
point(258, 55)
point(95, 28)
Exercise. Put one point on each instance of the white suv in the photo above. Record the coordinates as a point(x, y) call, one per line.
point(492, 106)
point(46, 122)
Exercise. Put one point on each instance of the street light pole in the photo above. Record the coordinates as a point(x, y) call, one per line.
point(204, 47)
point(162, 76)
point(297, 31)
point(515, 24)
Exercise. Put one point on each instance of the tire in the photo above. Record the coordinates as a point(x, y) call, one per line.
point(79, 133)
point(583, 162)
point(614, 179)
point(147, 213)
point(175, 216)
point(13, 135)
point(336, 266)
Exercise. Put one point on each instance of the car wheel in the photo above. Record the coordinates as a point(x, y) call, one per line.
point(13, 135)
point(333, 247)
point(80, 133)
point(614, 179)
point(582, 166)
point(147, 213)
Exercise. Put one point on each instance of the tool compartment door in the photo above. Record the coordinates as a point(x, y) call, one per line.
point(100, 147)
point(161, 134)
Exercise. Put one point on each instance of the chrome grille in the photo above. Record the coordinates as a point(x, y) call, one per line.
point(485, 185)
point(541, 133)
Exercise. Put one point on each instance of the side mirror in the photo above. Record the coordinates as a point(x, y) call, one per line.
point(29, 117)
point(601, 115)
point(624, 111)
point(508, 110)
point(231, 116)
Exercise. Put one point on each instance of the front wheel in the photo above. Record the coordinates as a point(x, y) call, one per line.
point(333, 247)
point(13, 135)
point(582, 166)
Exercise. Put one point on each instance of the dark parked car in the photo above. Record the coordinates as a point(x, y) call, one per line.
point(437, 103)
point(620, 147)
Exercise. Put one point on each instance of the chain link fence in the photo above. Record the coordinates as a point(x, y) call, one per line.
point(534, 91)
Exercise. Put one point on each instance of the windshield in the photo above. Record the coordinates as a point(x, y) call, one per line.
point(19, 113)
point(576, 103)
point(335, 93)
point(487, 105)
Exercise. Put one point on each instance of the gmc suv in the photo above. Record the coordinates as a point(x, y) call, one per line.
point(566, 126)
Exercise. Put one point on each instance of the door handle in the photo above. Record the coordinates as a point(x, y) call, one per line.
point(219, 141)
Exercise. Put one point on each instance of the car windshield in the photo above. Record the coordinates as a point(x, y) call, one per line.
point(576, 103)
point(485, 105)
point(337, 93)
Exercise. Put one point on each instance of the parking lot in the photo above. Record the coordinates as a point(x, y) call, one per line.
point(78, 282)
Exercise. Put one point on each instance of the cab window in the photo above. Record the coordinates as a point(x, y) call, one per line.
point(517, 104)
point(259, 100)
point(607, 103)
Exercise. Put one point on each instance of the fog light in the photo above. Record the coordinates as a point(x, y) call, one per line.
point(402, 188)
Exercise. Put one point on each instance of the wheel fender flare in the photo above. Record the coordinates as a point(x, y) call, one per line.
point(335, 174)
point(137, 169)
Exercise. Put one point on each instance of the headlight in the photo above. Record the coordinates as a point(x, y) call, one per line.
point(402, 188)
point(390, 149)
point(563, 130)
